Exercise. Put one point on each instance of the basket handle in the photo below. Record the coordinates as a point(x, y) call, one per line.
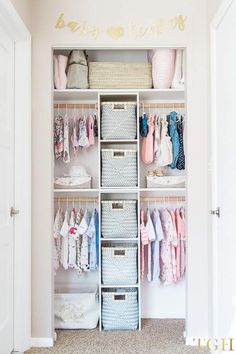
point(119, 107)
point(119, 252)
point(119, 297)
point(118, 154)
point(117, 206)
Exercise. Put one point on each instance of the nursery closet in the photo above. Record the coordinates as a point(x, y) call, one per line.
point(116, 191)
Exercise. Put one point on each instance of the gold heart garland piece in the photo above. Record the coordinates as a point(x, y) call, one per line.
point(115, 32)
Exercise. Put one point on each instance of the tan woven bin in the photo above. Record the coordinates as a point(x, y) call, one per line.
point(104, 75)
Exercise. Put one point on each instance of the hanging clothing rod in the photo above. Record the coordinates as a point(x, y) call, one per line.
point(76, 200)
point(161, 105)
point(75, 105)
point(163, 199)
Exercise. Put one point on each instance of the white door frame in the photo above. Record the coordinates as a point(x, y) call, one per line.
point(16, 29)
point(214, 195)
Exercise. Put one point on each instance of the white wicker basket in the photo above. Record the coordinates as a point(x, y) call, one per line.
point(119, 168)
point(120, 309)
point(119, 218)
point(165, 182)
point(77, 309)
point(119, 264)
point(119, 120)
point(104, 75)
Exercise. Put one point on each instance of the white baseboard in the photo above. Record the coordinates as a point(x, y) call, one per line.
point(41, 342)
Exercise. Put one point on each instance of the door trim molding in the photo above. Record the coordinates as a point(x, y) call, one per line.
point(221, 13)
point(16, 29)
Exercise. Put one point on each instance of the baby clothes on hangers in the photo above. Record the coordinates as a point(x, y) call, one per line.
point(156, 246)
point(90, 130)
point(83, 139)
point(66, 150)
point(174, 244)
point(58, 136)
point(144, 242)
point(181, 158)
point(72, 241)
point(151, 238)
point(174, 135)
point(147, 152)
point(65, 241)
point(74, 139)
point(143, 126)
point(57, 239)
point(182, 243)
point(82, 229)
point(157, 139)
point(95, 125)
point(165, 156)
point(78, 239)
point(166, 252)
point(91, 234)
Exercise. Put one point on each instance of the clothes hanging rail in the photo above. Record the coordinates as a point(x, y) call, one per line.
point(76, 200)
point(162, 105)
point(163, 199)
point(76, 105)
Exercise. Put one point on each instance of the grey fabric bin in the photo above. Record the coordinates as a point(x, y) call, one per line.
point(120, 309)
point(119, 120)
point(119, 264)
point(119, 168)
point(119, 218)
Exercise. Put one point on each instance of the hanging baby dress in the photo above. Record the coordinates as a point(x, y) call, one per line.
point(147, 143)
point(164, 157)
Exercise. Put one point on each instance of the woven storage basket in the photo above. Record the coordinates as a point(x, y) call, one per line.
point(119, 218)
point(104, 75)
point(119, 168)
point(119, 264)
point(120, 309)
point(119, 120)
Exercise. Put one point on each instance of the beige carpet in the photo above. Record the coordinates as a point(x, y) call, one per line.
point(156, 337)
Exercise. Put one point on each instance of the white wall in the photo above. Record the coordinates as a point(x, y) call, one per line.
point(119, 13)
point(23, 7)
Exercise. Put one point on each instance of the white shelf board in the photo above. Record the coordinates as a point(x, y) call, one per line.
point(92, 94)
point(117, 141)
point(75, 190)
point(162, 189)
point(119, 286)
point(119, 239)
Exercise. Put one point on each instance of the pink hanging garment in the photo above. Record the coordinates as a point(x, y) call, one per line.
point(180, 248)
point(182, 244)
point(174, 244)
point(74, 138)
point(144, 241)
point(163, 66)
point(147, 150)
point(66, 151)
point(90, 129)
point(166, 274)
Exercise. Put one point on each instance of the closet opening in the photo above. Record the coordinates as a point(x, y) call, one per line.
point(119, 128)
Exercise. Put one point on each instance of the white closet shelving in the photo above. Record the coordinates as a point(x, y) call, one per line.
point(92, 160)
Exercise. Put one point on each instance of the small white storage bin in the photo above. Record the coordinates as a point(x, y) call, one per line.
point(119, 264)
point(119, 168)
point(165, 182)
point(77, 309)
point(120, 309)
point(119, 218)
point(119, 120)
